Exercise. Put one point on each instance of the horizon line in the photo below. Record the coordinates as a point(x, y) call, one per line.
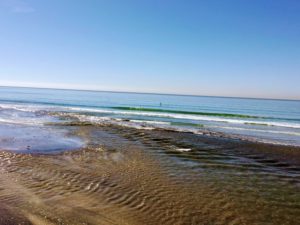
point(150, 93)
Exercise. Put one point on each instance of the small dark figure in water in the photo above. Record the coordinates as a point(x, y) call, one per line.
point(160, 104)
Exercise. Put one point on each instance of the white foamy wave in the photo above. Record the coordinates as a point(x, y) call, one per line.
point(18, 107)
point(108, 120)
point(208, 130)
point(150, 122)
point(138, 124)
point(188, 117)
point(23, 115)
point(183, 149)
point(32, 122)
point(257, 130)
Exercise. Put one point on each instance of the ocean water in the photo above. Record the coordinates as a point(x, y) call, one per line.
point(132, 174)
point(272, 121)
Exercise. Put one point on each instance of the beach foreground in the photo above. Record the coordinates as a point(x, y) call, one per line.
point(130, 176)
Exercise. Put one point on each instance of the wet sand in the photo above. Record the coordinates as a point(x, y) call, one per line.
point(130, 176)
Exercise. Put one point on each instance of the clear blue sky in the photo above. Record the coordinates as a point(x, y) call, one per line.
point(213, 47)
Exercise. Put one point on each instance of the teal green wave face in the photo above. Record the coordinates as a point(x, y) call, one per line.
point(186, 124)
point(185, 112)
point(257, 124)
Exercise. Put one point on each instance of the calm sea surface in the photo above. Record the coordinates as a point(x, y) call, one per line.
point(275, 121)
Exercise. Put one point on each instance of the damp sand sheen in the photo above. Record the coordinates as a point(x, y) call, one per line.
point(58, 167)
point(129, 176)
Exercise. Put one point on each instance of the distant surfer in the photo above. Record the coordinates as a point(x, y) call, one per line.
point(160, 104)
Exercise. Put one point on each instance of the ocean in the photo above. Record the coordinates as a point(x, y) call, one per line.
point(84, 157)
point(262, 120)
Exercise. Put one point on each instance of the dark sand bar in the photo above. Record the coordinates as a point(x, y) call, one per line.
point(139, 177)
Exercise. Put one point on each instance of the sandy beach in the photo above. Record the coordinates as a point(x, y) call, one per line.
point(130, 176)
point(149, 112)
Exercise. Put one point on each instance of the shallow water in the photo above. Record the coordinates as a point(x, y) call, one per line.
point(129, 176)
point(35, 139)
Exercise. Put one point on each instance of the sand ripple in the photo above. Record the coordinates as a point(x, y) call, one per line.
point(128, 176)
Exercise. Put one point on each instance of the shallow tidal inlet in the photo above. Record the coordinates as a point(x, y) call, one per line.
point(62, 163)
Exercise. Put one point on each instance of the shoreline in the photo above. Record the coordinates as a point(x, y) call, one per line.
point(133, 176)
